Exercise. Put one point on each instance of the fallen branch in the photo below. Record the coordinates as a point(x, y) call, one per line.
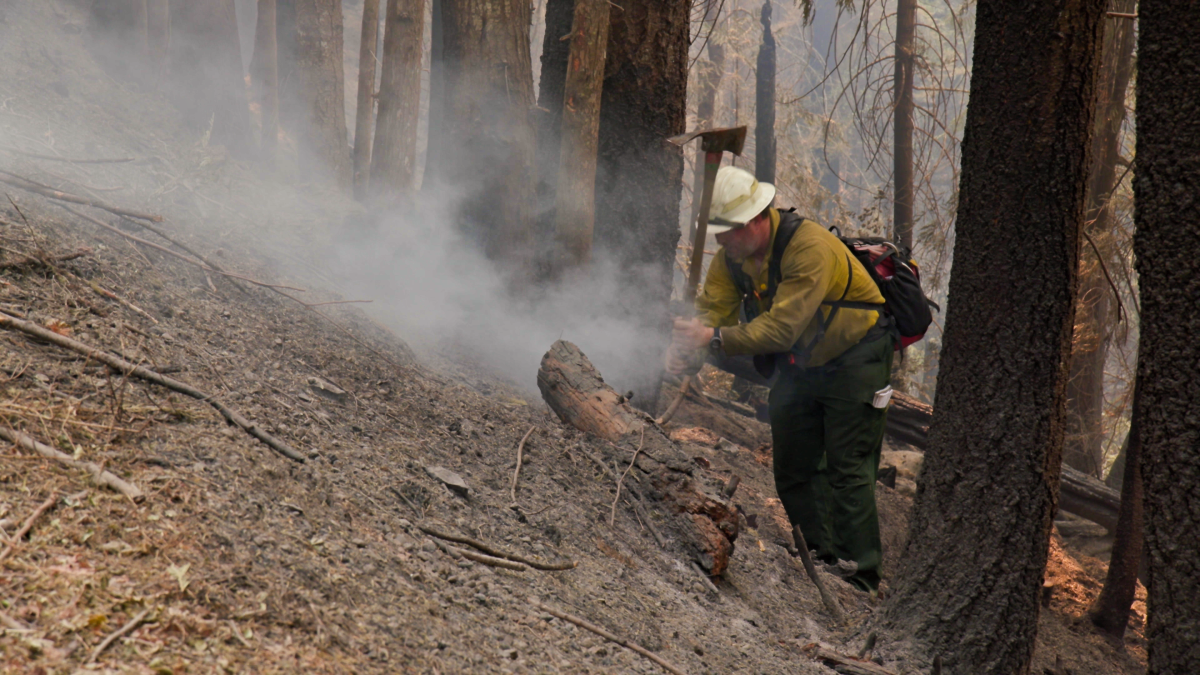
point(118, 634)
point(480, 558)
point(843, 663)
point(667, 666)
point(806, 559)
point(99, 476)
point(546, 567)
point(36, 260)
point(27, 526)
point(52, 158)
point(671, 409)
point(704, 577)
point(128, 368)
point(612, 516)
point(47, 191)
point(517, 472)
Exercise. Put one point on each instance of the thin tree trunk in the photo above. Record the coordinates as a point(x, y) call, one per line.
point(764, 103)
point(321, 137)
point(394, 158)
point(548, 116)
point(969, 584)
point(1084, 449)
point(158, 39)
point(1110, 613)
point(206, 71)
point(489, 95)
point(264, 74)
point(902, 125)
point(1165, 244)
point(575, 196)
point(437, 94)
point(709, 81)
point(365, 112)
point(639, 176)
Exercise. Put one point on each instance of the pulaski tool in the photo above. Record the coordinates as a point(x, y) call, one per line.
point(714, 143)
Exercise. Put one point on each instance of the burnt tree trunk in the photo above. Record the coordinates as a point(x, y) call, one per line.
point(489, 97)
point(1167, 237)
point(437, 93)
point(709, 81)
point(264, 74)
point(206, 71)
point(394, 158)
point(548, 115)
point(1083, 449)
point(321, 134)
point(1110, 613)
point(706, 525)
point(764, 103)
point(364, 113)
point(968, 587)
point(158, 39)
point(638, 180)
point(902, 124)
point(575, 194)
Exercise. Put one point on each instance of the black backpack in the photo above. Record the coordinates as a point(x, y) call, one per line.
point(905, 304)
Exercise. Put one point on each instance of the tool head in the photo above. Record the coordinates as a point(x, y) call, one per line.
point(715, 140)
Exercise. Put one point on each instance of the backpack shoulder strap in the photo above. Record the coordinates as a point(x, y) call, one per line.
point(789, 222)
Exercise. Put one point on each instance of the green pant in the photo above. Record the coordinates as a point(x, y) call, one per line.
point(827, 440)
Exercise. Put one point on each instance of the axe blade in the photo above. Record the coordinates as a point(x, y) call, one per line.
point(731, 139)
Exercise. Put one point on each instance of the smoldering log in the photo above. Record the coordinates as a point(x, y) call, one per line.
point(705, 524)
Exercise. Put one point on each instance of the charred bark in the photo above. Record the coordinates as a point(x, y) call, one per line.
point(394, 157)
point(709, 81)
point(264, 75)
point(638, 177)
point(902, 124)
point(764, 103)
point(1094, 310)
point(548, 116)
point(1168, 233)
point(1110, 613)
point(437, 93)
point(575, 195)
point(705, 525)
point(489, 95)
point(364, 114)
point(206, 71)
point(968, 588)
point(321, 127)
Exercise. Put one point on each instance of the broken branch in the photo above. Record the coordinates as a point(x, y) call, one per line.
point(612, 516)
point(517, 473)
point(27, 526)
point(99, 476)
point(806, 559)
point(36, 260)
point(546, 567)
point(118, 634)
point(128, 368)
point(480, 558)
point(638, 649)
point(47, 191)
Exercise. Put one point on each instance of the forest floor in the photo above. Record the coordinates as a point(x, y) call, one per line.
point(239, 560)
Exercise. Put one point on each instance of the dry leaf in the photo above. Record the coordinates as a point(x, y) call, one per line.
point(179, 573)
point(60, 327)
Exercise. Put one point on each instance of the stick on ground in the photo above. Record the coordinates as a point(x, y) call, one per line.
point(517, 472)
point(128, 368)
point(120, 632)
point(806, 559)
point(480, 558)
point(492, 551)
point(16, 538)
point(667, 666)
point(99, 476)
point(612, 516)
point(46, 191)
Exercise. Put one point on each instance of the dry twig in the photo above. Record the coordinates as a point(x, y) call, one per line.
point(492, 551)
point(101, 477)
point(480, 558)
point(119, 633)
point(27, 526)
point(612, 516)
point(128, 369)
point(806, 559)
point(638, 649)
point(517, 472)
point(47, 191)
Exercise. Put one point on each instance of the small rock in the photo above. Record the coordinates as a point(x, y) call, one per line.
point(449, 479)
point(729, 446)
point(327, 389)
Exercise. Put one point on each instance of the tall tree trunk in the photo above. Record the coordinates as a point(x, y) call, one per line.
point(437, 93)
point(1110, 613)
point(206, 71)
point(1093, 315)
point(1167, 238)
point(489, 95)
point(575, 196)
point(158, 39)
point(902, 125)
point(548, 116)
point(264, 74)
point(394, 158)
point(321, 134)
point(764, 103)
point(638, 180)
point(969, 584)
point(364, 114)
point(709, 81)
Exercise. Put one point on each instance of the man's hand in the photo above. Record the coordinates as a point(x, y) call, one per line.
point(688, 335)
point(676, 363)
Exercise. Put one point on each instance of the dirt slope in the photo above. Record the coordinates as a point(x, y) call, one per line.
point(245, 561)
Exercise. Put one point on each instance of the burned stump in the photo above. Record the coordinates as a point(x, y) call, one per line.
point(707, 524)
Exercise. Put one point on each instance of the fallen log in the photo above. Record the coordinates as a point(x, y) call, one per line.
point(707, 525)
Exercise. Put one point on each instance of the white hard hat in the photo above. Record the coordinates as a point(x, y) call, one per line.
point(737, 198)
